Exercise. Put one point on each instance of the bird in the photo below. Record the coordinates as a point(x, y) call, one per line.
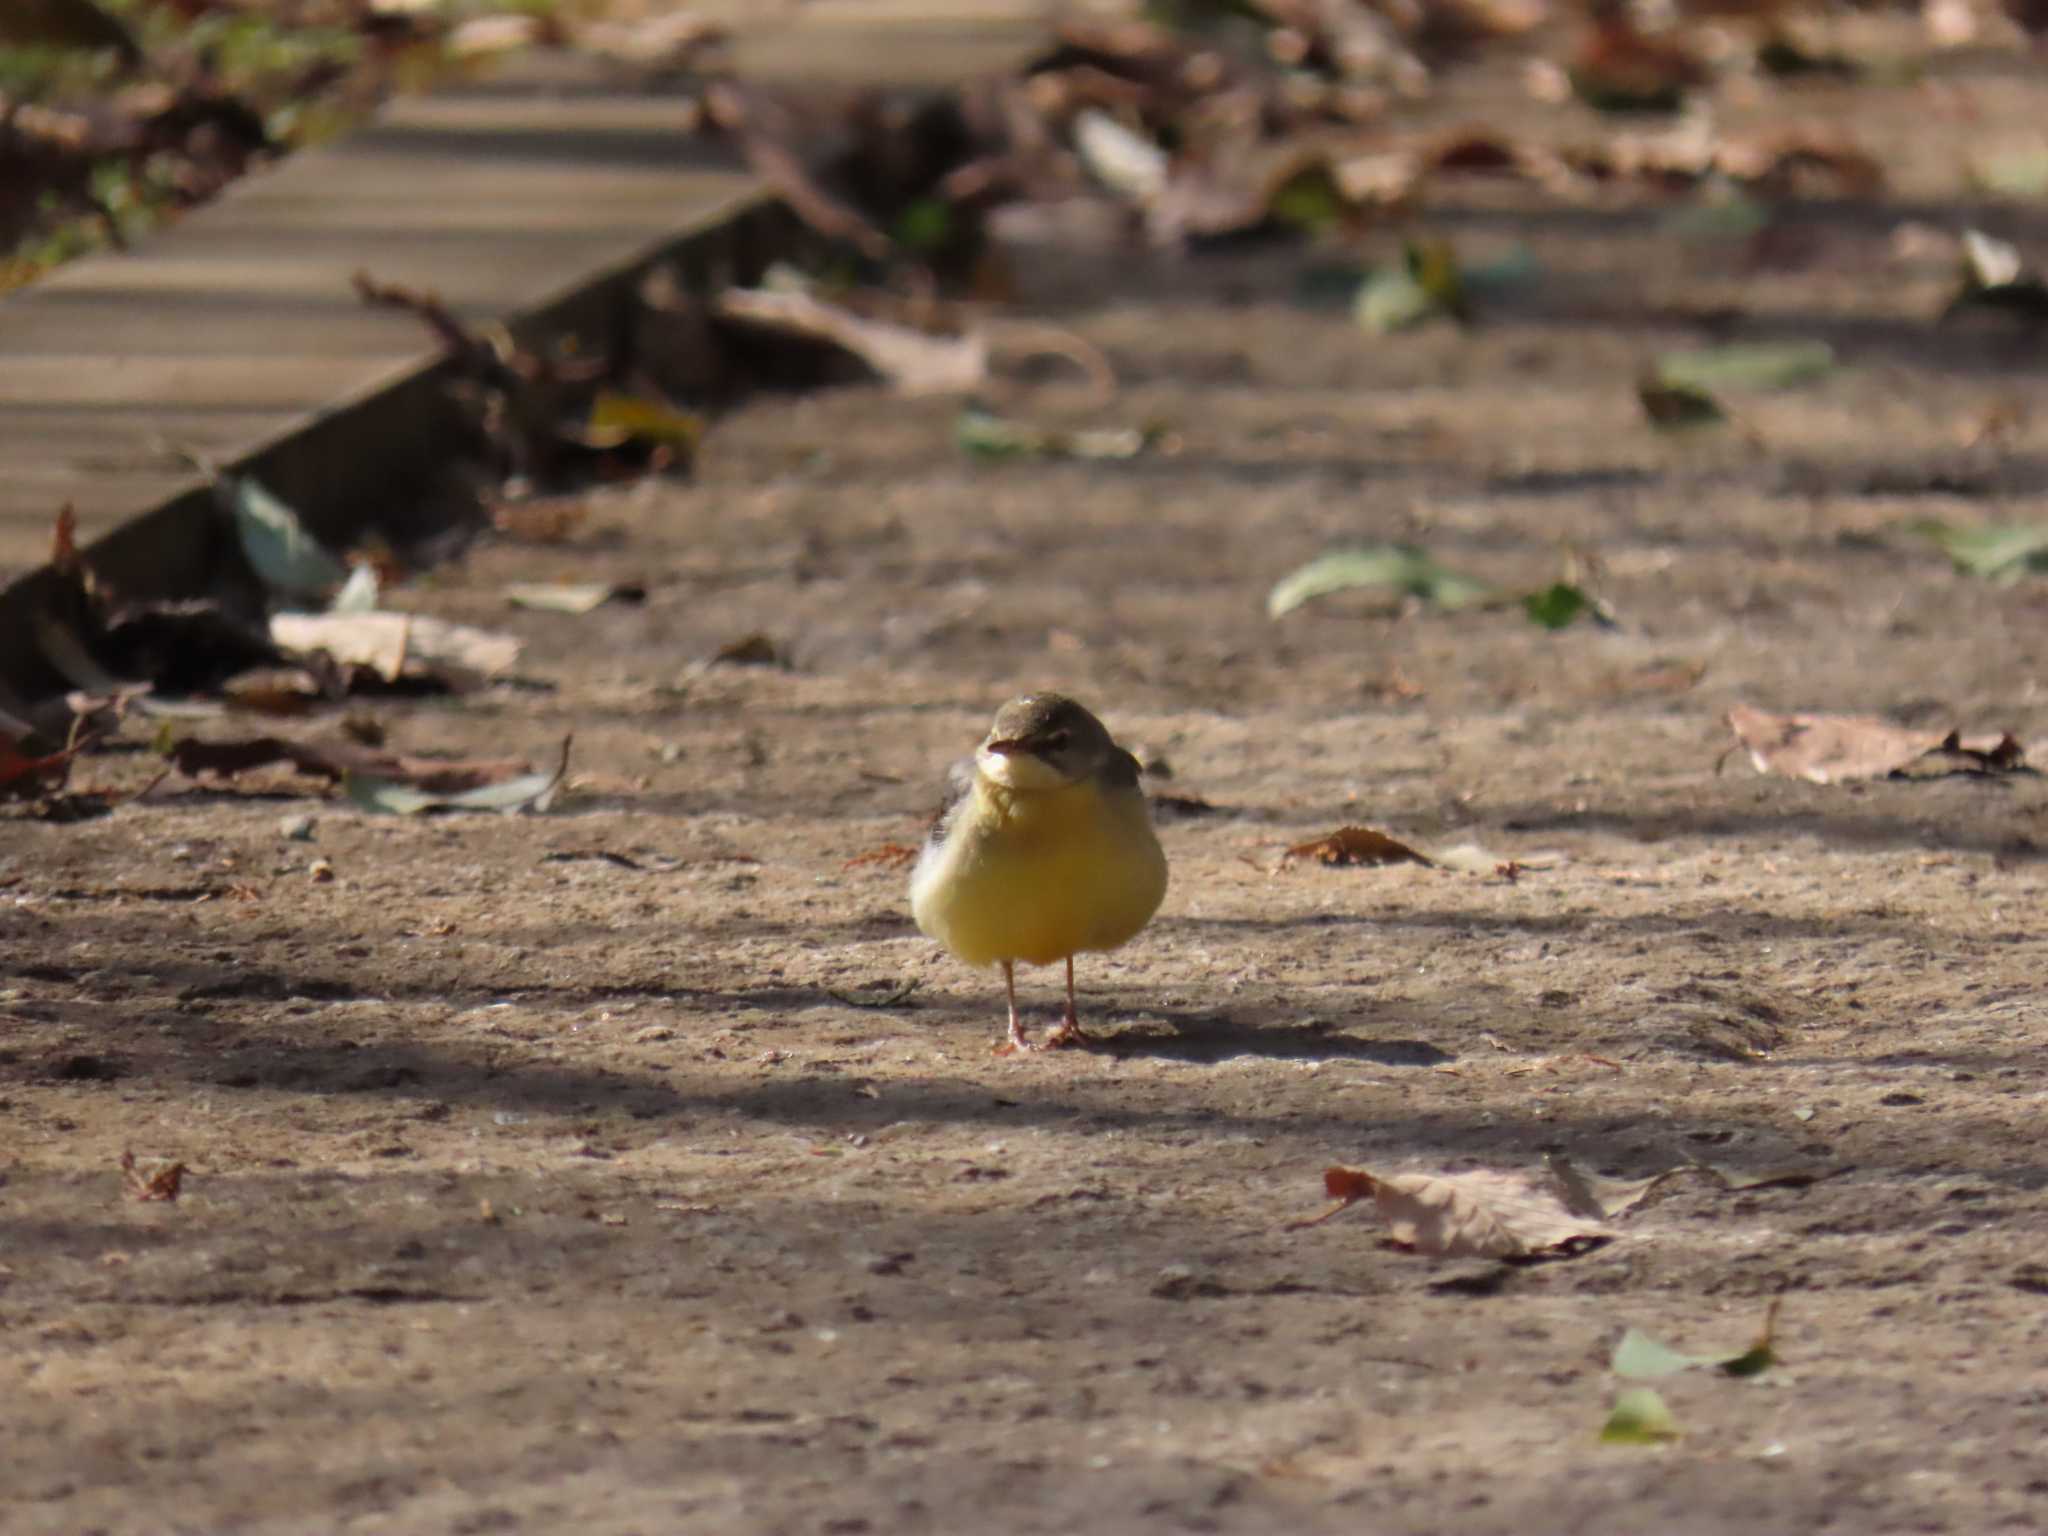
point(1043, 850)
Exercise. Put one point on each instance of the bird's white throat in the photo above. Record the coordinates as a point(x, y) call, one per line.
point(1018, 770)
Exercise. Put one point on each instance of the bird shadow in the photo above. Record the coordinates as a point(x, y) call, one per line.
point(1208, 1038)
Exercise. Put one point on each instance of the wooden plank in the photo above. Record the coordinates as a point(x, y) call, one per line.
point(536, 199)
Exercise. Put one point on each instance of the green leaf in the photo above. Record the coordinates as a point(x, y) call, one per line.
point(2001, 554)
point(617, 419)
point(1677, 407)
point(1426, 284)
point(986, 435)
point(1748, 365)
point(1639, 1417)
point(1754, 1361)
point(1391, 300)
point(1638, 1357)
point(359, 593)
point(2017, 173)
point(1558, 604)
point(1310, 199)
point(290, 561)
point(925, 226)
point(1402, 568)
point(530, 791)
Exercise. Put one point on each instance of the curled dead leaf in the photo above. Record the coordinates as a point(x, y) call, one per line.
point(1481, 1214)
point(1355, 845)
point(161, 1180)
point(1839, 749)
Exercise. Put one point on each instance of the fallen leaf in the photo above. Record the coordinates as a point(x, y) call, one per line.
point(572, 597)
point(1482, 1214)
point(1989, 263)
point(30, 778)
point(986, 435)
point(1638, 1357)
point(1472, 859)
point(1401, 568)
point(161, 1182)
point(1602, 1199)
point(1559, 604)
point(1355, 845)
point(617, 419)
point(1838, 749)
point(1427, 283)
point(283, 553)
point(1126, 163)
point(750, 651)
point(2000, 554)
point(403, 797)
point(1639, 1417)
point(914, 361)
point(1996, 277)
point(1749, 365)
point(396, 645)
point(1675, 407)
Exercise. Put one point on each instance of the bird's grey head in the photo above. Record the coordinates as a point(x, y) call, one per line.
point(1044, 741)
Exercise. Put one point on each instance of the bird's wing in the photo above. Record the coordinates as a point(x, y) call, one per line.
point(959, 785)
point(1121, 771)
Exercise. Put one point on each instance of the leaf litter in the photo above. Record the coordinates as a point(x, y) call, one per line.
point(377, 780)
point(1554, 1211)
point(1480, 1214)
point(1639, 1357)
point(1842, 749)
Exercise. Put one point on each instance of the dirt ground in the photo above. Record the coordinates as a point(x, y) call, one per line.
point(579, 1172)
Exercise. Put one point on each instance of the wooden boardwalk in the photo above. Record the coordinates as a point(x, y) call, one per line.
point(236, 328)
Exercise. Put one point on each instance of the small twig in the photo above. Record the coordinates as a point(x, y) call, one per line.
point(1030, 338)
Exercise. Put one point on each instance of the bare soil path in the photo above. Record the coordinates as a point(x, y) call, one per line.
point(548, 1174)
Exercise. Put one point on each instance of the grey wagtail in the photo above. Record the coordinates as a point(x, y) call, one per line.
point(1044, 848)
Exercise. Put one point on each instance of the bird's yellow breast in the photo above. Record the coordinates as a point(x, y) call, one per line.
point(1040, 875)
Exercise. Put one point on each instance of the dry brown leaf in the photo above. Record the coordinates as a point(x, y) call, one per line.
point(161, 1182)
point(1482, 1214)
point(28, 778)
point(1601, 1199)
point(1839, 749)
point(1355, 845)
point(394, 645)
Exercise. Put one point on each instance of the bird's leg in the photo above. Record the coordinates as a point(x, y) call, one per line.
point(1018, 1040)
point(1068, 1031)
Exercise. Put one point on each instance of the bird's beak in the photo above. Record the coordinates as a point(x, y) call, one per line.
point(1007, 748)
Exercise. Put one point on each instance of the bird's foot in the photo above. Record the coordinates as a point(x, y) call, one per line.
point(1067, 1032)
